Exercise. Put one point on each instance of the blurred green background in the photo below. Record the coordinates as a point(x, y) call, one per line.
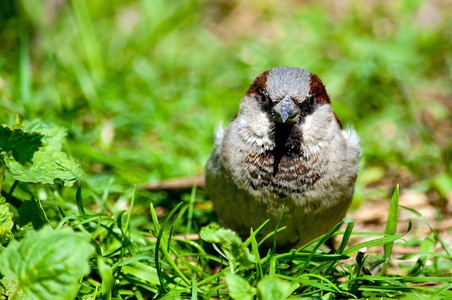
point(141, 85)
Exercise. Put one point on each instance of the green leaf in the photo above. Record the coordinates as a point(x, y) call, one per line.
point(47, 264)
point(24, 146)
point(31, 211)
point(273, 288)
point(53, 135)
point(11, 288)
point(45, 168)
point(21, 144)
point(230, 243)
point(239, 288)
point(6, 222)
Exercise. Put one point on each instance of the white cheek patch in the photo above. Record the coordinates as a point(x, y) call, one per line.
point(254, 125)
point(320, 126)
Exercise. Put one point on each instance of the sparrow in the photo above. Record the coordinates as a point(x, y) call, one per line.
point(285, 148)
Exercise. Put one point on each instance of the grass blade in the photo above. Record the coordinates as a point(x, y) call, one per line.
point(391, 226)
point(163, 248)
point(194, 288)
point(317, 246)
point(129, 215)
point(435, 233)
point(88, 37)
point(276, 230)
point(190, 209)
point(108, 280)
point(257, 256)
point(78, 194)
point(377, 242)
point(346, 236)
point(24, 71)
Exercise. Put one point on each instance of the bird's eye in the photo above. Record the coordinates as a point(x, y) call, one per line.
point(311, 98)
point(307, 105)
point(264, 95)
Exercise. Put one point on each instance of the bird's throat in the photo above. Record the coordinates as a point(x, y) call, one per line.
point(282, 134)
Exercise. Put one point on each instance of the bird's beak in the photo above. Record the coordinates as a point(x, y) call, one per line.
point(286, 112)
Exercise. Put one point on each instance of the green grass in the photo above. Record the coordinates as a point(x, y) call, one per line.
point(139, 86)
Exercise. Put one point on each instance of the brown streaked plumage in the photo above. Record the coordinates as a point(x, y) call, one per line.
point(285, 147)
